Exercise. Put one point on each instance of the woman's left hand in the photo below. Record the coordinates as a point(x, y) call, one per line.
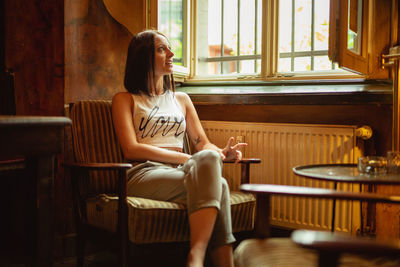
point(232, 152)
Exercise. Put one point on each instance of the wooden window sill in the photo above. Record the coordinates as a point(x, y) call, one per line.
point(322, 92)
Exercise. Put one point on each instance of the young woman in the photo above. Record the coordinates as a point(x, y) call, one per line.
point(150, 121)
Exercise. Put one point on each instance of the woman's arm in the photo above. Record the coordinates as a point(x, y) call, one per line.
point(122, 113)
point(197, 135)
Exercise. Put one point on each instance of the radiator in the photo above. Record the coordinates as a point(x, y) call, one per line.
point(283, 146)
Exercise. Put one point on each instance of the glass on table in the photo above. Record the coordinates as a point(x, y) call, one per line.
point(373, 165)
point(393, 162)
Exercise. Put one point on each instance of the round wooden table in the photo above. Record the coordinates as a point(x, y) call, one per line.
point(344, 173)
point(347, 173)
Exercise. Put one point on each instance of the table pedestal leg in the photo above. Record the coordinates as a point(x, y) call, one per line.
point(40, 214)
point(333, 210)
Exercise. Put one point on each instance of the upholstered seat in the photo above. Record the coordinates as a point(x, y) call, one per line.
point(99, 183)
point(153, 221)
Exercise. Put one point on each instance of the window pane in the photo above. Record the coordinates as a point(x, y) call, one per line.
point(247, 66)
point(284, 65)
point(354, 27)
point(322, 63)
point(303, 25)
point(303, 35)
point(302, 64)
point(247, 26)
point(321, 33)
point(214, 28)
point(170, 22)
point(231, 33)
point(227, 31)
point(259, 27)
point(285, 26)
point(229, 67)
point(213, 68)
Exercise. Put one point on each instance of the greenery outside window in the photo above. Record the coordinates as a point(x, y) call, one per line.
point(173, 21)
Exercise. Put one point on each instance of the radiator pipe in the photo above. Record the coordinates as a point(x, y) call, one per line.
point(394, 57)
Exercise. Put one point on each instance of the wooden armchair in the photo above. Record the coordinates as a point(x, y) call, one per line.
point(311, 248)
point(99, 178)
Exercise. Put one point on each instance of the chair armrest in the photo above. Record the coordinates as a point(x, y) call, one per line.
point(79, 198)
point(244, 168)
point(338, 243)
point(12, 164)
point(97, 166)
point(244, 161)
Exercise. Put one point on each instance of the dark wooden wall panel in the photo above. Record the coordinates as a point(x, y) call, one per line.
point(34, 33)
point(95, 47)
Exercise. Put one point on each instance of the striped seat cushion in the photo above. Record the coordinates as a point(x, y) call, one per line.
point(153, 221)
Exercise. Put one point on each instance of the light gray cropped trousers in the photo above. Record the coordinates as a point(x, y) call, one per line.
point(198, 184)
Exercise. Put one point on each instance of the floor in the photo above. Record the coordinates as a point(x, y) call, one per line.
point(172, 254)
point(101, 260)
point(98, 260)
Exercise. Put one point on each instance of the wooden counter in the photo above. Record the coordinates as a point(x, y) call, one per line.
point(37, 140)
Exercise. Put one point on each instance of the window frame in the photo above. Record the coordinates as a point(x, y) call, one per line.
point(338, 51)
point(180, 72)
point(269, 50)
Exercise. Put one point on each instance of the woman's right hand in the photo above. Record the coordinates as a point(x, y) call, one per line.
point(232, 152)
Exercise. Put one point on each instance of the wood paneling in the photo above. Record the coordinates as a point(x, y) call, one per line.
point(95, 48)
point(379, 37)
point(34, 33)
point(388, 216)
point(129, 13)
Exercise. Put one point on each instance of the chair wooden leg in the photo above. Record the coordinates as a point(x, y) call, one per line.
point(123, 219)
point(123, 255)
point(123, 248)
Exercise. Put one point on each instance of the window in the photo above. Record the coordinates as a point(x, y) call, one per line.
point(229, 37)
point(361, 35)
point(267, 39)
point(306, 47)
point(173, 22)
point(352, 27)
point(170, 14)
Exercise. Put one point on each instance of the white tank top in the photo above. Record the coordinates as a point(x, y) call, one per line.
point(159, 120)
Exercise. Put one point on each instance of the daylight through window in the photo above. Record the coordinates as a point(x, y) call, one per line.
point(229, 36)
point(170, 23)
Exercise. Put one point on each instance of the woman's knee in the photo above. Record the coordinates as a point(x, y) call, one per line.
point(208, 156)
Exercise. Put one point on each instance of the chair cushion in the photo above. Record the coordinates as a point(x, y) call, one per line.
point(162, 221)
point(283, 252)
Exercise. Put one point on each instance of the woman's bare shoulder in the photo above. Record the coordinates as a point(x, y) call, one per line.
point(122, 97)
point(182, 96)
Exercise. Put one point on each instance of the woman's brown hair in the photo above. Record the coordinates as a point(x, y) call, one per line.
point(139, 68)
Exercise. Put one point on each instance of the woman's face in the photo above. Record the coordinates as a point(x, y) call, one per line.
point(162, 56)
